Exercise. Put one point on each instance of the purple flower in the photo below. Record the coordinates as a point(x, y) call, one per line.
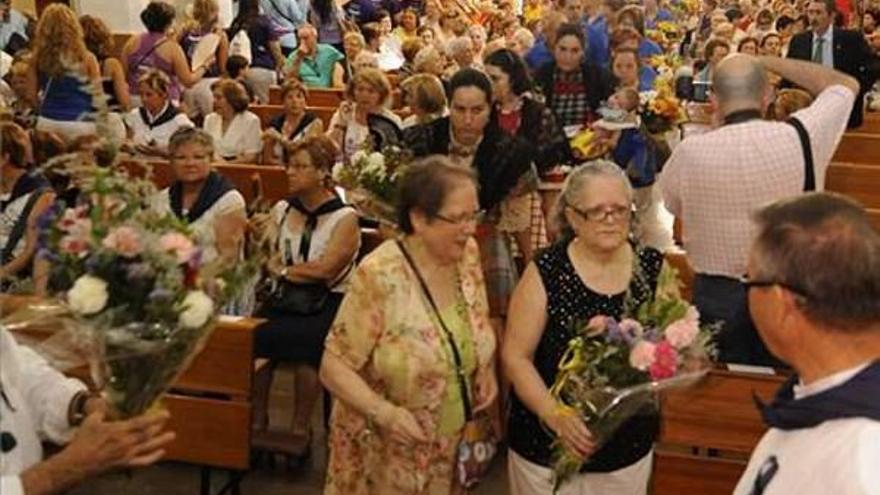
point(652, 335)
point(614, 334)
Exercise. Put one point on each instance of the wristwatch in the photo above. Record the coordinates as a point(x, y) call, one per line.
point(76, 412)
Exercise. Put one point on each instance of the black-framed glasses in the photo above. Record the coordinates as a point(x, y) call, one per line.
point(749, 283)
point(475, 217)
point(601, 213)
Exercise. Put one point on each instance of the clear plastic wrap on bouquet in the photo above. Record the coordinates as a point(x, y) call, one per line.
point(605, 409)
point(130, 363)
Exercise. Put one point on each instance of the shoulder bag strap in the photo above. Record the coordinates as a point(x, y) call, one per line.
point(809, 170)
point(20, 227)
point(149, 52)
point(456, 356)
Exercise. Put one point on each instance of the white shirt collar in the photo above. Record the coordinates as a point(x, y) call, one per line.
point(152, 118)
point(825, 36)
point(801, 391)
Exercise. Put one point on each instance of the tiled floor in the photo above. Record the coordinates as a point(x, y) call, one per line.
point(172, 478)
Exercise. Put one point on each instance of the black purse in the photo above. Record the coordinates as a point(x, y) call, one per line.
point(294, 298)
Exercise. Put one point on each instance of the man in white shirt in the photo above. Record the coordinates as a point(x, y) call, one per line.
point(714, 181)
point(37, 403)
point(814, 294)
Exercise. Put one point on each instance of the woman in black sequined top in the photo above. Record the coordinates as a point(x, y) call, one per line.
point(593, 270)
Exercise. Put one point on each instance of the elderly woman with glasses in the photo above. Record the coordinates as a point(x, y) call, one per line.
point(411, 345)
point(593, 270)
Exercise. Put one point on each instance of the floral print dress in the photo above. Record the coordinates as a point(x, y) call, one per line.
point(387, 333)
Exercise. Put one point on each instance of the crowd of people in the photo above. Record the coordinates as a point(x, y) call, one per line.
point(469, 308)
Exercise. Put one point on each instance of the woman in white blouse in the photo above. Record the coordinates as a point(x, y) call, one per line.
point(367, 94)
point(211, 205)
point(236, 131)
point(150, 125)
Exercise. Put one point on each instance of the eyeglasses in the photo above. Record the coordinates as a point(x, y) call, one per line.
point(475, 217)
point(748, 283)
point(600, 213)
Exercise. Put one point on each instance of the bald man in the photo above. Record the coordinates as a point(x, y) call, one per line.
point(714, 181)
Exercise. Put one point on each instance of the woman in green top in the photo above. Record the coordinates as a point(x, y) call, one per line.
point(398, 413)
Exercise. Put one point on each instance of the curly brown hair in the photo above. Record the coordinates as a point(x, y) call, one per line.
point(234, 93)
point(58, 41)
point(97, 36)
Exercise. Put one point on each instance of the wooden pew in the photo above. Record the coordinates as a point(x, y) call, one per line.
point(274, 178)
point(858, 181)
point(718, 414)
point(871, 124)
point(858, 147)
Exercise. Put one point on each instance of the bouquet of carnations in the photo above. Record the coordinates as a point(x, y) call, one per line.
point(134, 300)
point(614, 369)
point(370, 181)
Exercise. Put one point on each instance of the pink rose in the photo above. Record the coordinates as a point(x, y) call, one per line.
point(124, 240)
point(665, 361)
point(597, 324)
point(73, 245)
point(641, 357)
point(692, 315)
point(179, 244)
point(681, 333)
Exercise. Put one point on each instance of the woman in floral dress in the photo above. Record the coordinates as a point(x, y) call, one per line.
point(398, 409)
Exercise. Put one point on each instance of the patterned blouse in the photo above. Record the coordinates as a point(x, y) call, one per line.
point(386, 332)
point(570, 301)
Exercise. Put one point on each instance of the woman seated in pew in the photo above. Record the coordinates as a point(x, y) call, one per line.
point(426, 99)
point(316, 239)
point(294, 124)
point(592, 270)
point(24, 196)
point(236, 131)
point(151, 125)
point(367, 94)
point(206, 200)
point(399, 404)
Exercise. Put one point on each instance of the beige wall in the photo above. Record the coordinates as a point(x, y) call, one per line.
point(26, 6)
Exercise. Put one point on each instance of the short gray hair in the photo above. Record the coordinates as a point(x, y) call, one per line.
point(187, 135)
point(459, 44)
point(822, 247)
point(572, 190)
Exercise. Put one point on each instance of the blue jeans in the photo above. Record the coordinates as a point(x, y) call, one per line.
point(724, 299)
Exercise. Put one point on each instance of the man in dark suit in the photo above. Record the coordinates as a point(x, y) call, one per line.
point(844, 50)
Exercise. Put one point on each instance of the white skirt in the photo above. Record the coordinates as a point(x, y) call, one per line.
point(527, 478)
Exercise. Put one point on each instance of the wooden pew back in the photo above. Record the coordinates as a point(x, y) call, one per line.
point(860, 182)
point(717, 413)
point(858, 147)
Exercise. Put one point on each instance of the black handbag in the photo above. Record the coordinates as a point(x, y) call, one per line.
point(294, 298)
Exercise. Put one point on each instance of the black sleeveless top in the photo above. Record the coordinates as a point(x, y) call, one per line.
point(570, 302)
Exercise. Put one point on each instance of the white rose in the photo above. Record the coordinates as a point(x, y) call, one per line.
point(358, 156)
point(197, 308)
point(376, 160)
point(88, 295)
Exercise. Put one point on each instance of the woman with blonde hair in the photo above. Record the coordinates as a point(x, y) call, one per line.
point(151, 125)
point(205, 14)
point(65, 73)
point(367, 96)
point(426, 98)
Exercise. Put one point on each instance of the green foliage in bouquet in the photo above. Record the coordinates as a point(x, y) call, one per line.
point(371, 180)
point(612, 370)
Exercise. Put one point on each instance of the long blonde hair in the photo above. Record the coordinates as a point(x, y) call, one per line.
point(58, 41)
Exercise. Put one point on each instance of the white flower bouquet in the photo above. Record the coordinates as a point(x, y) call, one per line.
point(134, 300)
point(371, 181)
